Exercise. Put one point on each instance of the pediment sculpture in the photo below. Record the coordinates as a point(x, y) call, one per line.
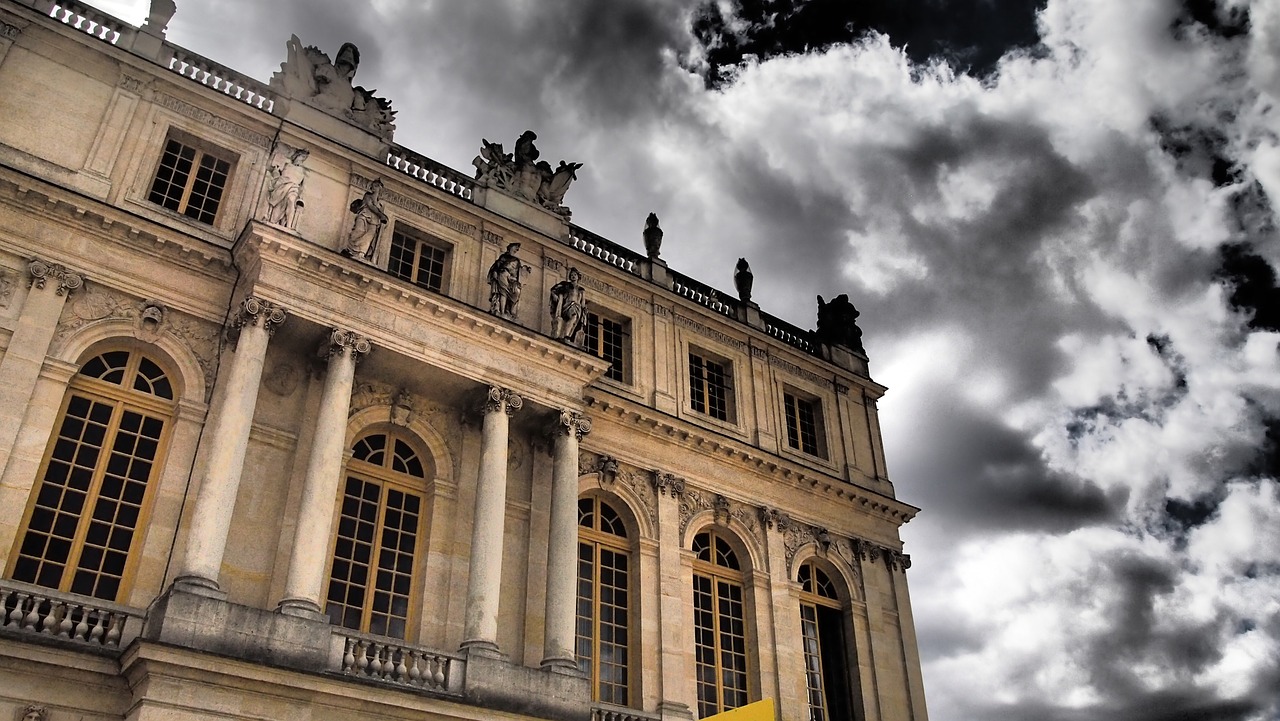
point(308, 75)
point(521, 174)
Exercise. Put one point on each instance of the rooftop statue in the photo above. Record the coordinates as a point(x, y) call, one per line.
point(308, 75)
point(837, 323)
point(743, 279)
point(652, 236)
point(521, 173)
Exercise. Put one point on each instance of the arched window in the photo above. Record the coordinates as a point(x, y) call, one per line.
point(825, 661)
point(81, 524)
point(374, 565)
point(719, 625)
point(604, 602)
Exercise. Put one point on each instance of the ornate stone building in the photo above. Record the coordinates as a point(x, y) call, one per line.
point(296, 423)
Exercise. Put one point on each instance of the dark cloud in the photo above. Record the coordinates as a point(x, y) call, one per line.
point(1181, 705)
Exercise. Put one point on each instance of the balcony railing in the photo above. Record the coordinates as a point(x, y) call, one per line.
point(86, 19)
point(606, 250)
point(431, 172)
point(704, 295)
point(792, 335)
point(37, 611)
point(219, 77)
point(373, 658)
point(609, 712)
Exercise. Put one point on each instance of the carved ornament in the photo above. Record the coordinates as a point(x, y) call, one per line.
point(612, 472)
point(666, 483)
point(522, 175)
point(501, 399)
point(216, 122)
point(9, 32)
point(307, 74)
point(709, 332)
point(40, 271)
point(254, 311)
point(571, 423)
point(8, 281)
point(344, 341)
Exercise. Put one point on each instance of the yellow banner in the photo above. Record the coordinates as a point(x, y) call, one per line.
point(758, 711)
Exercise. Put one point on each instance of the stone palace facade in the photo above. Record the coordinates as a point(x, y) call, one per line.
point(296, 423)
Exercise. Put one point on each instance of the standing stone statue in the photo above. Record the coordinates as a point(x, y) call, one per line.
point(505, 283)
point(569, 308)
point(285, 179)
point(743, 279)
point(362, 241)
point(837, 323)
point(652, 236)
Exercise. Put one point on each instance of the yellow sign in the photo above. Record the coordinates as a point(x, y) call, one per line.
point(758, 711)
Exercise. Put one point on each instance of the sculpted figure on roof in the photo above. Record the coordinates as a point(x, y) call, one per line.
point(521, 173)
point(308, 75)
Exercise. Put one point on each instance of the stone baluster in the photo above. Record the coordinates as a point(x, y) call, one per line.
point(305, 581)
point(254, 323)
point(562, 546)
point(480, 631)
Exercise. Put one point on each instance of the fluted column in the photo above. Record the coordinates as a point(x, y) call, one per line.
point(254, 323)
point(562, 546)
point(480, 632)
point(305, 581)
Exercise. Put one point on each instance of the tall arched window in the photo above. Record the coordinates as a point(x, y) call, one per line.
point(604, 601)
point(825, 661)
point(81, 524)
point(719, 626)
point(373, 573)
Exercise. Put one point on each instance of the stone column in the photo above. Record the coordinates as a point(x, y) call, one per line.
point(480, 631)
point(676, 650)
point(562, 545)
point(305, 581)
point(255, 322)
point(30, 343)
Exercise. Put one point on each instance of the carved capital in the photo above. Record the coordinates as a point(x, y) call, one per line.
point(255, 311)
point(344, 341)
point(40, 271)
point(842, 389)
point(9, 32)
point(666, 483)
point(773, 518)
point(572, 422)
point(501, 399)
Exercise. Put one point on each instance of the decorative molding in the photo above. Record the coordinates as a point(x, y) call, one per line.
point(9, 32)
point(491, 238)
point(629, 298)
point(758, 352)
point(214, 121)
point(40, 271)
point(772, 518)
point(694, 501)
point(842, 389)
point(610, 472)
point(414, 205)
point(500, 399)
point(799, 372)
point(661, 311)
point(709, 332)
point(344, 341)
point(132, 84)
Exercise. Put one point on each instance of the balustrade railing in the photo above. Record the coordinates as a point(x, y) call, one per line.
point(378, 659)
point(86, 19)
point(609, 712)
point(41, 611)
point(703, 294)
point(219, 77)
point(606, 250)
point(790, 334)
point(430, 172)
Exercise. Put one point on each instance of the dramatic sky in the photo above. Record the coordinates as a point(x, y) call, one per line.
point(1054, 216)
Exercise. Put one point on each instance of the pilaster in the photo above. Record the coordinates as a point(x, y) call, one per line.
point(677, 690)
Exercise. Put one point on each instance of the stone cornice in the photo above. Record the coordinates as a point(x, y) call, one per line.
point(767, 466)
point(289, 270)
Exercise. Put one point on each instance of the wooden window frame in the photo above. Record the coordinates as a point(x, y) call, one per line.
point(597, 343)
point(122, 398)
point(598, 540)
point(421, 240)
point(704, 390)
point(814, 644)
point(202, 149)
point(794, 404)
point(387, 480)
point(721, 576)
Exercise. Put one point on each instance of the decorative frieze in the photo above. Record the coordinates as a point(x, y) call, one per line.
point(40, 271)
point(414, 205)
point(694, 501)
point(629, 298)
point(709, 332)
point(797, 371)
point(214, 121)
point(612, 472)
point(491, 238)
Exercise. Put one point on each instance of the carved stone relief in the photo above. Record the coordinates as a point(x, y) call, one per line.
point(34, 712)
point(283, 378)
point(611, 472)
point(41, 271)
point(694, 501)
point(216, 122)
point(8, 282)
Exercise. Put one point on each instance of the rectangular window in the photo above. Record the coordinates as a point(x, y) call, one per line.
point(418, 260)
point(191, 179)
point(710, 383)
point(804, 424)
point(607, 338)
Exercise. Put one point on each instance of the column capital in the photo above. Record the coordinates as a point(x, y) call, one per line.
point(773, 518)
point(41, 270)
point(666, 483)
point(571, 422)
point(257, 312)
point(500, 399)
point(344, 341)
